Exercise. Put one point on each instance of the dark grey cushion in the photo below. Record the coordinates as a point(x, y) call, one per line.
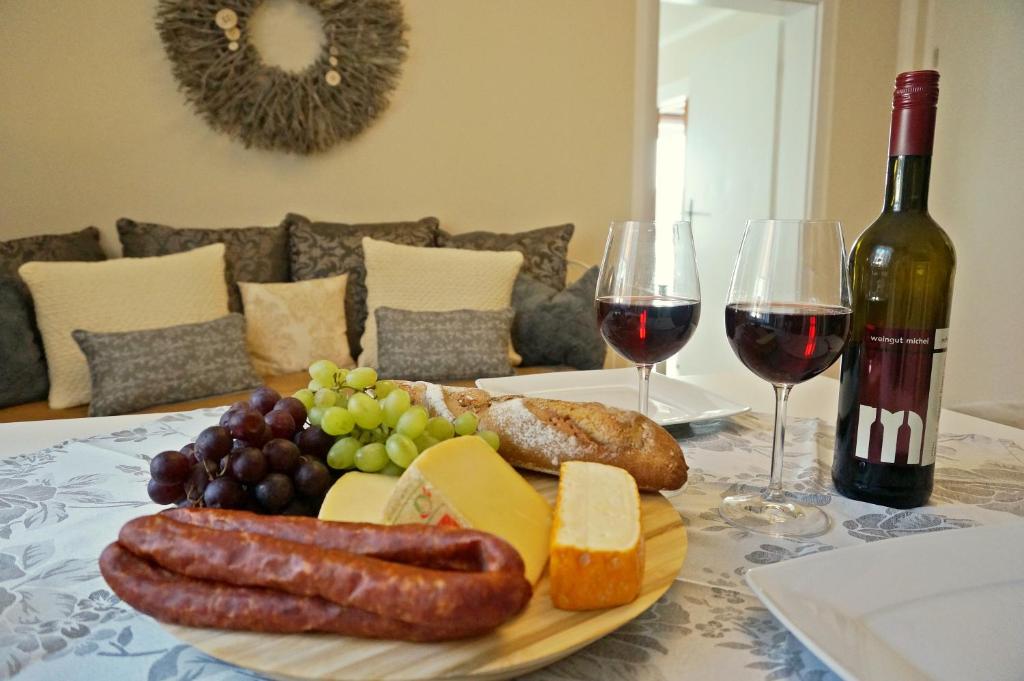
point(443, 346)
point(137, 369)
point(257, 254)
point(327, 249)
point(22, 363)
point(558, 327)
point(544, 250)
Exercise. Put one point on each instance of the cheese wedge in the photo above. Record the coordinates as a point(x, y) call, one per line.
point(358, 498)
point(462, 482)
point(597, 544)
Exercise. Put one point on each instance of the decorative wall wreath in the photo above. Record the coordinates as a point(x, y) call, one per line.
point(333, 99)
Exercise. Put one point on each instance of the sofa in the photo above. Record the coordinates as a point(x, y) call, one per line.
point(187, 303)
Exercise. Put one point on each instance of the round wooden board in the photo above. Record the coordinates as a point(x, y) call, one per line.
point(540, 635)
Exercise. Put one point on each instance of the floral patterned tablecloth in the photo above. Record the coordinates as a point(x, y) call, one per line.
point(60, 506)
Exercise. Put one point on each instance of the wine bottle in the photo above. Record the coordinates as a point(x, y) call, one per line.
point(901, 279)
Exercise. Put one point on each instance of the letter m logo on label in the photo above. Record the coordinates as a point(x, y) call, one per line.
point(900, 391)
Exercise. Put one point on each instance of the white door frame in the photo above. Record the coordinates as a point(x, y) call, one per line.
point(645, 108)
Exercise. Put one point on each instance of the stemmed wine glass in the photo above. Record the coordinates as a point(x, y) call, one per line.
point(648, 294)
point(787, 318)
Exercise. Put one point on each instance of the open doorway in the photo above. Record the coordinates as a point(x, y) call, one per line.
point(736, 93)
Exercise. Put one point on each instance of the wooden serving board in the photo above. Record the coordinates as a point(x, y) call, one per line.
point(540, 635)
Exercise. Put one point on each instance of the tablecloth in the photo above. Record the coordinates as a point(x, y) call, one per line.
point(60, 506)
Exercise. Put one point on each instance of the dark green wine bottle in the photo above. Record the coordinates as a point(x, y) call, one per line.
point(901, 279)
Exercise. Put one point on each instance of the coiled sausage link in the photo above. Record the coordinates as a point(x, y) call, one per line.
point(394, 590)
point(172, 598)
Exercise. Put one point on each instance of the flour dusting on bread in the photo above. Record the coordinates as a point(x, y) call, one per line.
point(541, 434)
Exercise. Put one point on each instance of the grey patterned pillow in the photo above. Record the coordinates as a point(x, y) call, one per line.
point(257, 254)
point(442, 346)
point(137, 369)
point(327, 249)
point(22, 363)
point(558, 327)
point(544, 250)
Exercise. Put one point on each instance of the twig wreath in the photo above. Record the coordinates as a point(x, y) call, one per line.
point(333, 99)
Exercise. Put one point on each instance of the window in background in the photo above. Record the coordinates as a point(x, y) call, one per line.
point(671, 161)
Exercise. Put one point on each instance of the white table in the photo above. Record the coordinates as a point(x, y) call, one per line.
point(59, 507)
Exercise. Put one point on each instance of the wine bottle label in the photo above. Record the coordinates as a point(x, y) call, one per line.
point(900, 390)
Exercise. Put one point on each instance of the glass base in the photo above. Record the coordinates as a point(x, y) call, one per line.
point(775, 518)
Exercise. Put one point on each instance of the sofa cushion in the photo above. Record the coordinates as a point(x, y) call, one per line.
point(544, 250)
point(421, 346)
point(434, 279)
point(22, 363)
point(132, 370)
point(326, 249)
point(558, 327)
point(251, 253)
point(125, 294)
point(290, 326)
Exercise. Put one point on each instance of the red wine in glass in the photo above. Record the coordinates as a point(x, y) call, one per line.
point(787, 343)
point(647, 329)
point(786, 317)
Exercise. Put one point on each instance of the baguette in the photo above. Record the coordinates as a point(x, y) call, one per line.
point(540, 434)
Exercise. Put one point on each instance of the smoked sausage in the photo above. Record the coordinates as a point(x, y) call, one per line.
point(419, 545)
point(394, 590)
point(176, 599)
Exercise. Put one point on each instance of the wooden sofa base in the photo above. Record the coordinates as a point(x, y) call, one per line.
point(285, 384)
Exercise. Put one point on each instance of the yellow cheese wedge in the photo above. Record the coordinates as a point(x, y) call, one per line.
point(358, 498)
point(462, 482)
point(597, 549)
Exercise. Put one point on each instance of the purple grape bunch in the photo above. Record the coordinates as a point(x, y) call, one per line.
point(262, 456)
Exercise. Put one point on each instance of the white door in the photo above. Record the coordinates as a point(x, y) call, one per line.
point(729, 172)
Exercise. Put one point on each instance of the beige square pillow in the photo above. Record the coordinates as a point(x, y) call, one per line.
point(290, 326)
point(126, 294)
point(434, 279)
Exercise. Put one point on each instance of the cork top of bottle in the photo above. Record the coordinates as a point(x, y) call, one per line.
point(915, 89)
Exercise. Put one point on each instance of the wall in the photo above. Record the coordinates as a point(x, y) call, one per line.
point(859, 66)
point(689, 31)
point(510, 114)
point(976, 190)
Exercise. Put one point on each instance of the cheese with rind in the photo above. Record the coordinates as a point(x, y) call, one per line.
point(597, 549)
point(462, 482)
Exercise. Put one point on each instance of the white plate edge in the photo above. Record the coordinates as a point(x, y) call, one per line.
point(779, 610)
point(712, 415)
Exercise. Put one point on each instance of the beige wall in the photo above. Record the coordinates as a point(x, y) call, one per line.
point(976, 190)
point(856, 125)
point(510, 114)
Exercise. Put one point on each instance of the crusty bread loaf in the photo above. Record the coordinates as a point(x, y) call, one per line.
point(540, 434)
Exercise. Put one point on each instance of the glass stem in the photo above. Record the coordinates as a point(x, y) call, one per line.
point(774, 491)
point(645, 387)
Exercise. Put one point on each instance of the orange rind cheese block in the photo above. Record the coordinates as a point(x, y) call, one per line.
point(597, 544)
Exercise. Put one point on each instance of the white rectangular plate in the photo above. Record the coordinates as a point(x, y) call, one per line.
point(672, 401)
point(945, 606)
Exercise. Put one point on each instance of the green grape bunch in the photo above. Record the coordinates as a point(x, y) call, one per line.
point(376, 427)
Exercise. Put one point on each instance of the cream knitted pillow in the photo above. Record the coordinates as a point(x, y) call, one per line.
point(434, 279)
point(290, 326)
point(126, 294)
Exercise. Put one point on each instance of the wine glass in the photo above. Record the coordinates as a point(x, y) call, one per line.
point(648, 295)
point(787, 318)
